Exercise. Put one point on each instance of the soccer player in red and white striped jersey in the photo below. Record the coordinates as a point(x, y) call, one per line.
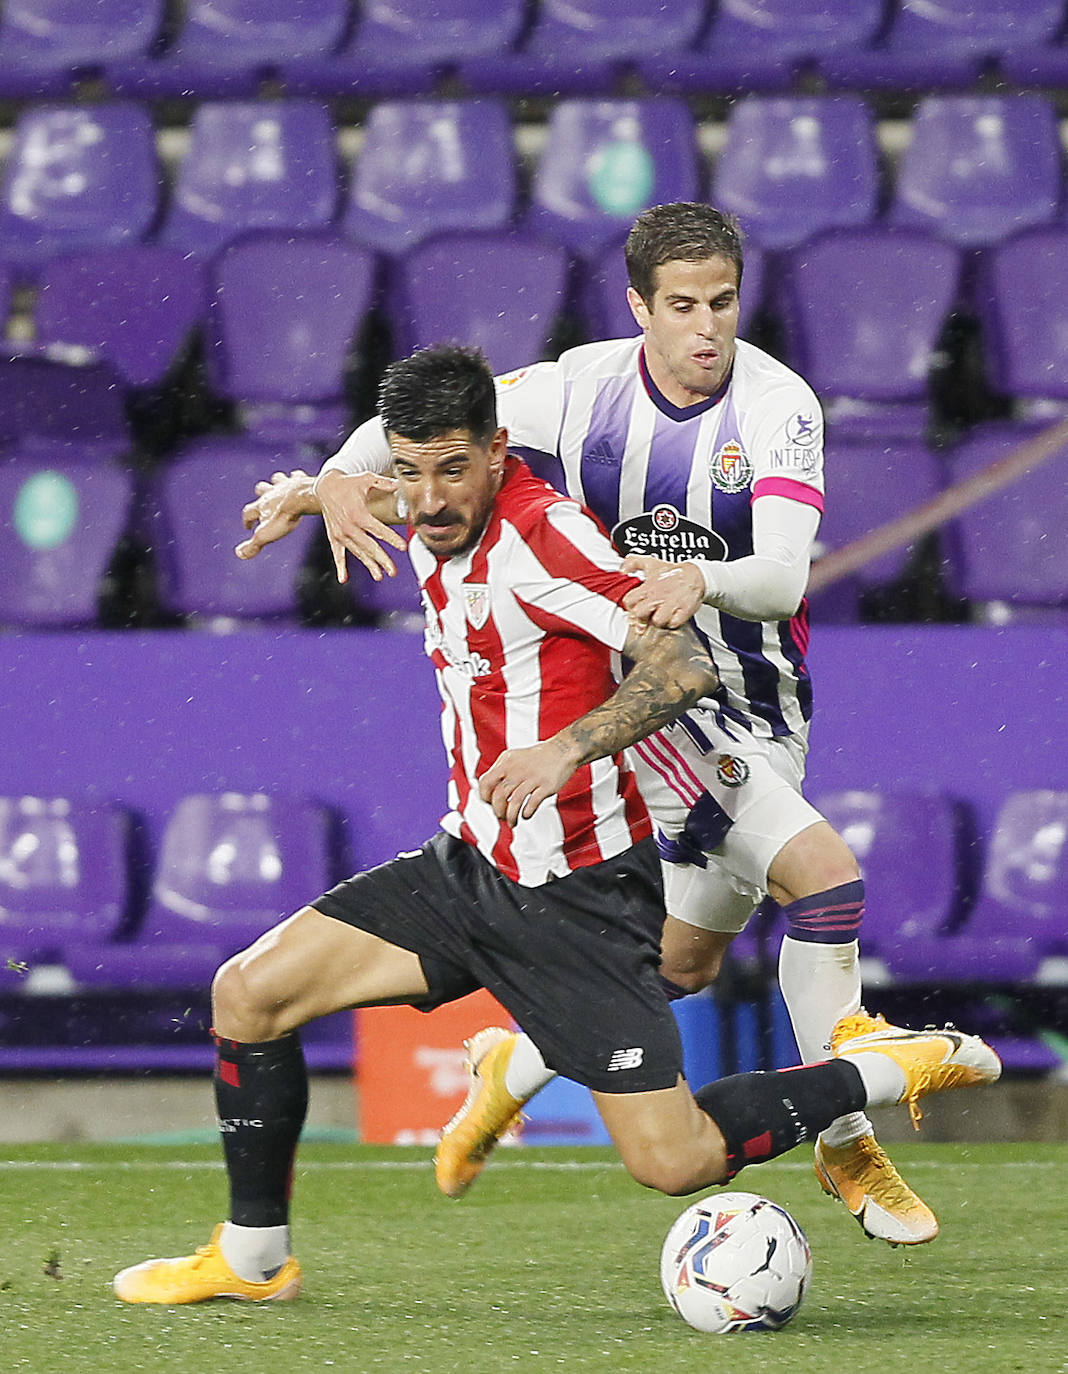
point(544, 886)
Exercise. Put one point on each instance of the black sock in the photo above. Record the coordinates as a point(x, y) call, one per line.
point(762, 1115)
point(261, 1093)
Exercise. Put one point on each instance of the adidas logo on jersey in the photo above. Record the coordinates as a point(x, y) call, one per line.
point(625, 1059)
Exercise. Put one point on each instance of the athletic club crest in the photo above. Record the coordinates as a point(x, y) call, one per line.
point(731, 772)
point(476, 604)
point(731, 469)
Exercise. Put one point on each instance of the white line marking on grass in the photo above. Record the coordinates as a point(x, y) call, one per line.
point(544, 1165)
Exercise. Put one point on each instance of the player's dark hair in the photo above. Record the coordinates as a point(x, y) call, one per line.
point(438, 389)
point(684, 231)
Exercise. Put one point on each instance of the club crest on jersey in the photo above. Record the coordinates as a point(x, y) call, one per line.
point(731, 469)
point(731, 772)
point(476, 604)
point(666, 534)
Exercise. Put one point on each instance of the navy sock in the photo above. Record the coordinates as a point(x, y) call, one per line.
point(673, 990)
point(762, 1114)
point(261, 1093)
point(827, 918)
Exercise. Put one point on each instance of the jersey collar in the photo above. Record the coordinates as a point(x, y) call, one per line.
point(674, 412)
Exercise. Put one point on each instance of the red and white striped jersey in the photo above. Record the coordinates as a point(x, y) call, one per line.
point(521, 630)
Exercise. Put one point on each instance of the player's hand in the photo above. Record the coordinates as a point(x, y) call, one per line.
point(276, 511)
point(350, 526)
point(519, 780)
point(670, 594)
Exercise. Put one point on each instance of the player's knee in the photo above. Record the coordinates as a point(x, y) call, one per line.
point(241, 1005)
point(693, 974)
point(666, 1169)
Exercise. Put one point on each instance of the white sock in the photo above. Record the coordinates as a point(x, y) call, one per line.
point(254, 1253)
point(820, 984)
point(526, 1073)
point(884, 1080)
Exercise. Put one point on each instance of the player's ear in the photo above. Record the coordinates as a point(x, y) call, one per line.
point(499, 449)
point(638, 309)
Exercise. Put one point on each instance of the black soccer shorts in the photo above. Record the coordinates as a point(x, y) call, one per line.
point(575, 961)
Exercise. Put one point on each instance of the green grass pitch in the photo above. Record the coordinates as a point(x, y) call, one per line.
point(550, 1264)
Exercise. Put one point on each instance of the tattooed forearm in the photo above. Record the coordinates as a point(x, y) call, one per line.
point(671, 673)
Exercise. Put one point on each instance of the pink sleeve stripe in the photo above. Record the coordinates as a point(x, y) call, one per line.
point(793, 491)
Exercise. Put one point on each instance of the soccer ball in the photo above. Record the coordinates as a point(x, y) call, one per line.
point(735, 1262)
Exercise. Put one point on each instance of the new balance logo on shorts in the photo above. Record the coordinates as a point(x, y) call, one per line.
point(625, 1059)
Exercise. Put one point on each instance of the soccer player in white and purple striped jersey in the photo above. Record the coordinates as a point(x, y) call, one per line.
point(703, 456)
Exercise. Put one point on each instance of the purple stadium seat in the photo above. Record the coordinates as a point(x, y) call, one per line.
point(430, 167)
point(46, 44)
point(940, 44)
point(606, 160)
point(793, 166)
point(604, 294)
point(195, 522)
point(909, 847)
point(230, 866)
point(1022, 285)
point(394, 600)
point(864, 309)
point(226, 48)
point(501, 292)
point(869, 484)
point(59, 412)
point(63, 875)
point(287, 310)
point(400, 47)
point(78, 176)
point(1017, 932)
point(979, 168)
point(1010, 547)
point(134, 308)
point(581, 47)
point(61, 523)
point(253, 165)
point(761, 45)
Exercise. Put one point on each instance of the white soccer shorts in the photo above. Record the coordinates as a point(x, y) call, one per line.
point(733, 797)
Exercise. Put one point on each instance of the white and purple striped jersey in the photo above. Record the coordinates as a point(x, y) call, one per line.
point(678, 483)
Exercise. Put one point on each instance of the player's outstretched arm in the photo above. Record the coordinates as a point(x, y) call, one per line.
point(357, 518)
point(671, 673)
point(278, 508)
point(366, 504)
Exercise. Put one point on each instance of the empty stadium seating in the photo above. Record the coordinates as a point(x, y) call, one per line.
point(1009, 548)
point(226, 48)
point(865, 309)
point(135, 308)
point(62, 520)
point(428, 167)
point(793, 166)
point(287, 310)
point(945, 44)
point(583, 46)
point(401, 47)
point(1021, 284)
point(77, 176)
point(604, 162)
point(193, 521)
point(64, 876)
point(46, 44)
point(979, 168)
point(502, 292)
point(763, 45)
point(253, 165)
